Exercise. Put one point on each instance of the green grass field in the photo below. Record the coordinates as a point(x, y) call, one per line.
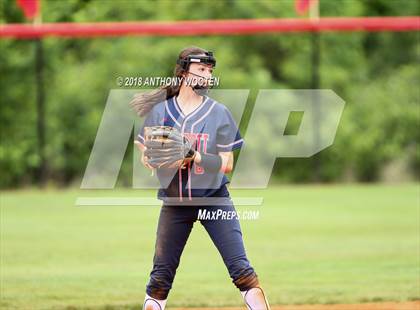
point(312, 244)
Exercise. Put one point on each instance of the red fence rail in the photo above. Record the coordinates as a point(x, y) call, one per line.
point(210, 27)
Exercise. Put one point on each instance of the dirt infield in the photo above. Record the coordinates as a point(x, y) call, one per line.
point(415, 305)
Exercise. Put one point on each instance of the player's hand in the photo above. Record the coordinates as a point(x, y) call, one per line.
point(143, 158)
point(145, 163)
point(197, 157)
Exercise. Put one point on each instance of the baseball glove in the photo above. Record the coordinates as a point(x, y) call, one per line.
point(166, 147)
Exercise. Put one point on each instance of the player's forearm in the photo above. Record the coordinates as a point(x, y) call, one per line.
point(227, 163)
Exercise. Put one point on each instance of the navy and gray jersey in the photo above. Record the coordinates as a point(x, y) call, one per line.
point(213, 129)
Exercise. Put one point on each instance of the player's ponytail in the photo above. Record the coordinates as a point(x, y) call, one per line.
point(142, 103)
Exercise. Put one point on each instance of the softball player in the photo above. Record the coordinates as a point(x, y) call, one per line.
point(192, 167)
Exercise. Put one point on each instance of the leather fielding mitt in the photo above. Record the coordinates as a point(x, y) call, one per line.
point(167, 148)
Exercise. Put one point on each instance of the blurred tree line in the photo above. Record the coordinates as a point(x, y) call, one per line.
point(377, 74)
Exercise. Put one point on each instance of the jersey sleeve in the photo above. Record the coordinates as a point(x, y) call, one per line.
point(150, 120)
point(228, 136)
